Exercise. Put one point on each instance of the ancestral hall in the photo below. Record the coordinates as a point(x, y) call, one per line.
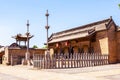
point(98, 37)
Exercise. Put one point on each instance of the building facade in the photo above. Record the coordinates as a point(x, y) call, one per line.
point(98, 37)
point(16, 52)
point(15, 55)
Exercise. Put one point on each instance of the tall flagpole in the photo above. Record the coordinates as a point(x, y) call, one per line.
point(27, 52)
point(47, 27)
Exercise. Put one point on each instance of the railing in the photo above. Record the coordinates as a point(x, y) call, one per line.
point(76, 60)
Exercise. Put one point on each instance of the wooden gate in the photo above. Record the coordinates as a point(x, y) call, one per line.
point(76, 60)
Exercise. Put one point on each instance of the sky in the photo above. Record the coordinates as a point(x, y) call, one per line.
point(64, 14)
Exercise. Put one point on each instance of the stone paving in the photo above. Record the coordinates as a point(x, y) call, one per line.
point(85, 69)
point(19, 72)
point(113, 77)
point(9, 77)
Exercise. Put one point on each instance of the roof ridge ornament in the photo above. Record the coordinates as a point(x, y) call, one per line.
point(110, 17)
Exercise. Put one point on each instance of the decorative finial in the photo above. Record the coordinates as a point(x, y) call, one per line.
point(28, 23)
point(47, 14)
point(28, 26)
point(110, 17)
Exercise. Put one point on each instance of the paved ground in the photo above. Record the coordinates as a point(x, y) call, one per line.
point(107, 72)
point(85, 69)
point(113, 77)
point(9, 77)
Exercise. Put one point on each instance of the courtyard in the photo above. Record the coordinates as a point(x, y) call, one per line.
point(20, 72)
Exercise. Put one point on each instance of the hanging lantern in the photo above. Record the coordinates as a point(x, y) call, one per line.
point(66, 43)
point(57, 45)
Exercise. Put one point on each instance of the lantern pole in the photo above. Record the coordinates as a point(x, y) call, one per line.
point(27, 52)
point(47, 27)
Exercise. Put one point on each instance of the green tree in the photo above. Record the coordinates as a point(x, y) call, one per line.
point(119, 5)
point(35, 46)
point(45, 47)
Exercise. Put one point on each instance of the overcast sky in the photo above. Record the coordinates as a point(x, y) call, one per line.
point(64, 14)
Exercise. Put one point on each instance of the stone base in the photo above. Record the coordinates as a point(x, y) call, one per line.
point(26, 62)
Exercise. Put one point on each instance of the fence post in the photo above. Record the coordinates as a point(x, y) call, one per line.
point(74, 60)
point(67, 60)
point(33, 60)
point(12, 60)
point(77, 60)
point(62, 60)
point(58, 60)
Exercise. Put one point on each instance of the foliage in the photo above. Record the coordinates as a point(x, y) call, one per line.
point(35, 46)
point(119, 5)
point(44, 47)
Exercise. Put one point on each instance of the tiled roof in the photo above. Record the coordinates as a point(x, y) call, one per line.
point(14, 46)
point(22, 37)
point(79, 32)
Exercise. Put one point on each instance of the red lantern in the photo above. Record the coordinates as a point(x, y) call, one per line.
point(66, 43)
point(57, 45)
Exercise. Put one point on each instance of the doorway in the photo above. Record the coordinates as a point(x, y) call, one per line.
point(85, 49)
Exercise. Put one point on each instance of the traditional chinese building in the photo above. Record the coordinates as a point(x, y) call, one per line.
point(98, 37)
point(15, 53)
point(22, 39)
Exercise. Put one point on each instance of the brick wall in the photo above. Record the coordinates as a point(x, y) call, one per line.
point(118, 46)
point(101, 44)
point(112, 44)
point(20, 53)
